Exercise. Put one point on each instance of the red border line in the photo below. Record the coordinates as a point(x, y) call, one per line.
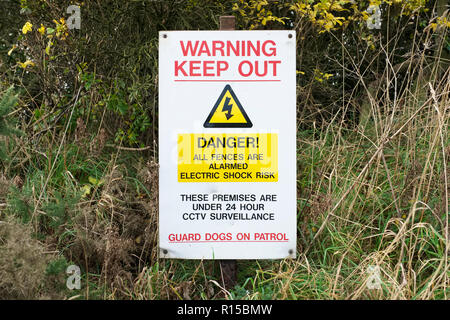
point(243, 241)
point(225, 80)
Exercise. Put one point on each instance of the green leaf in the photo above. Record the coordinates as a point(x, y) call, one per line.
point(95, 182)
point(86, 190)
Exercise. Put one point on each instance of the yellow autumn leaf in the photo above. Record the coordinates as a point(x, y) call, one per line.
point(27, 27)
point(49, 45)
point(12, 49)
point(86, 190)
point(25, 64)
point(42, 29)
point(95, 182)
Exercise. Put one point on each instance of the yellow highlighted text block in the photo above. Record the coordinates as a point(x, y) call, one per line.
point(228, 157)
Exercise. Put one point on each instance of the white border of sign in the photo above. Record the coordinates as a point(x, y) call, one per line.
point(184, 104)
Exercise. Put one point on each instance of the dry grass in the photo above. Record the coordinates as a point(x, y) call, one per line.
point(23, 262)
point(376, 196)
point(373, 195)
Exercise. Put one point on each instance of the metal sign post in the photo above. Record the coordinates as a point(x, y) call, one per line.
point(228, 268)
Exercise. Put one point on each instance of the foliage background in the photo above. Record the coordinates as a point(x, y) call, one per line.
point(78, 141)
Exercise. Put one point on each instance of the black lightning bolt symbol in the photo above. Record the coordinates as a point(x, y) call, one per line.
point(227, 107)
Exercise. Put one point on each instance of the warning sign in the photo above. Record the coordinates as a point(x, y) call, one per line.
point(228, 157)
point(228, 112)
point(227, 145)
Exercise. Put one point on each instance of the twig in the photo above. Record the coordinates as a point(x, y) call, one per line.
point(128, 149)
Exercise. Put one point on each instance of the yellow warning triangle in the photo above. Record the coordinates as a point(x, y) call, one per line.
point(228, 112)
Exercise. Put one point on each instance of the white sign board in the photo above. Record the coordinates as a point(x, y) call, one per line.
point(227, 144)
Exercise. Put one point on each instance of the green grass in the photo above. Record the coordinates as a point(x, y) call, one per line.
point(387, 216)
point(368, 195)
